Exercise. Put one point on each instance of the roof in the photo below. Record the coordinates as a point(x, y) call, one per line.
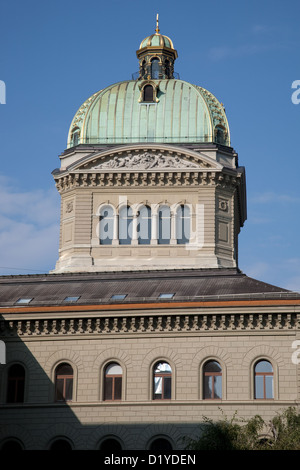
point(157, 40)
point(184, 113)
point(139, 287)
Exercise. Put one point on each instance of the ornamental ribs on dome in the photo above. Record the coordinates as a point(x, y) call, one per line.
point(156, 107)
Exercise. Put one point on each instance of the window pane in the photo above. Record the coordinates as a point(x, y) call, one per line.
point(259, 386)
point(212, 366)
point(183, 225)
point(167, 387)
point(269, 386)
point(20, 384)
point(217, 386)
point(59, 395)
point(113, 369)
point(144, 226)
point(108, 388)
point(164, 225)
point(125, 226)
point(118, 388)
point(263, 366)
point(106, 225)
point(162, 367)
point(11, 391)
point(158, 387)
point(207, 387)
point(64, 369)
point(148, 93)
point(68, 388)
point(155, 68)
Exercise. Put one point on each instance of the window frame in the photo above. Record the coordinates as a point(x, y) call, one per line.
point(183, 224)
point(212, 374)
point(17, 382)
point(164, 376)
point(113, 377)
point(63, 377)
point(264, 375)
point(144, 223)
point(164, 223)
point(110, 220)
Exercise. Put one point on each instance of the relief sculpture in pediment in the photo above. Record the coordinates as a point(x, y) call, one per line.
point(146, 161)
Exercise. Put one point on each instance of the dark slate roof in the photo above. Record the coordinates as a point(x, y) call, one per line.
point(140, 286)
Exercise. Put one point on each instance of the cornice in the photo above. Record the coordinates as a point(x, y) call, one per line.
point(153, 324)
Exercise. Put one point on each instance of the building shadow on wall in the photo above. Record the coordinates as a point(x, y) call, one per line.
point(36, 413)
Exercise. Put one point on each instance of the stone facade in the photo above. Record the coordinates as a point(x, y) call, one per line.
point(186, 338)
point(133, 338)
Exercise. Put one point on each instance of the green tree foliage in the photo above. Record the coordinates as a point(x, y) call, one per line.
point(281, 433)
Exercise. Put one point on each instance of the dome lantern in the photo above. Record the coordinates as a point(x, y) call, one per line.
point(156, 56)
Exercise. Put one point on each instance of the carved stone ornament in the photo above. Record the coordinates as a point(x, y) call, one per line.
point(146, 161)
point(223, 205)
point(69, 207)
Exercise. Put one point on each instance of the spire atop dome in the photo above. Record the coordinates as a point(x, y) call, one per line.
point(157, 27)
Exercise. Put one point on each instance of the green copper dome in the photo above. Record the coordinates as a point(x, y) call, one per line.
point(157, 40)
point(177, 112)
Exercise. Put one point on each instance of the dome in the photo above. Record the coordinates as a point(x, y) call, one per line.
point(157, 40)
point(179, 112)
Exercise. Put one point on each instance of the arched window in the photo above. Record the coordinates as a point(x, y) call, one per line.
point(110, 444)
point(125, 225)
point(183, 224)
point(155, 69)
point(263, 372)
point(106, 225)
point(15, 384)
point(148, 93)
point(61, 444)
point(144, 225)
point(75, 136)
point(12, 445)
point(212, 380)
point(161, 445)
point(164, 225)
point(162, 381)
point(63, 382)
point(113, 382)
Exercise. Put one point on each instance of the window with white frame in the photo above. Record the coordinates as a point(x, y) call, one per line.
point(145, 225)
point(106, 225)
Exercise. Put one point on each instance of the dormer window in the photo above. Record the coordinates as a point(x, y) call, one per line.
point(75, 136)
point(148, 94)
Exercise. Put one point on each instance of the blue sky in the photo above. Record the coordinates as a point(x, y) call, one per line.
point(56, 54)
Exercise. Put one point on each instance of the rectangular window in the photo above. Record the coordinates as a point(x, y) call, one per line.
point(118, 388)
point(108, 388)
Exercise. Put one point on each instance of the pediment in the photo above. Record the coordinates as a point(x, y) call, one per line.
point(142, 158)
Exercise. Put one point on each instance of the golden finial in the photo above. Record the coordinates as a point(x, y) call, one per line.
point(157, 28)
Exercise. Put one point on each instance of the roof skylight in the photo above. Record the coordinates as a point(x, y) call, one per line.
point(71, 299)
point(118, 296)
point(23, 300)
point(166, 296)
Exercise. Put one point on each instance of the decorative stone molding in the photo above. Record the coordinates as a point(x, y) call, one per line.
point(150, 324)
point(146, 179)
